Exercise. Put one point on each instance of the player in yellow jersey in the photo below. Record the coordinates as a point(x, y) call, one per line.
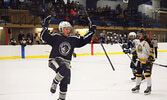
point(145, 59)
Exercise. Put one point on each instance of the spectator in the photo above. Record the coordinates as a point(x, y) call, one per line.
point(112, 40)
point(102, 38)
point(20, 36)
point(2, 5)
point(103, 22)
point(23, 42)
point(108, 40)
point(120, 38)
point(52, 12)
point(124, 40)
point(30, 35)
point(82, 20)
point(36, 39)
point(13, 41)
point(95, 40)
point(29, 41)
point(115, 38)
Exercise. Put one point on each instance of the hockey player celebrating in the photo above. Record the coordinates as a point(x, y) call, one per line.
point(63, 45)
point(145, 56)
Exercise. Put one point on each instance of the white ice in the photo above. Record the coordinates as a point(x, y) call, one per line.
point(92, 79)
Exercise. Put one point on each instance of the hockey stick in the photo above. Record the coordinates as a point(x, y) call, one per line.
point(160, 65)
point(128, 56)
point(90, 22)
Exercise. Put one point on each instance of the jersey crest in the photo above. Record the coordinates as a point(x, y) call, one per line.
point(64, 48)
point(139, 48)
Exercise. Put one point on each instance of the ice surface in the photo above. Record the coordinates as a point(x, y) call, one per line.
point(92, 79)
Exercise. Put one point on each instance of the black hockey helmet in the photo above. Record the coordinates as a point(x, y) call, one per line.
point(141, 31)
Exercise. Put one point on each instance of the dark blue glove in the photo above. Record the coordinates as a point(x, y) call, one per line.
point(46, 21)
point(124, 46)
point(126, 51)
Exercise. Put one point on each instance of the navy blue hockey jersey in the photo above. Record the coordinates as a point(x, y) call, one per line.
point(63, 46)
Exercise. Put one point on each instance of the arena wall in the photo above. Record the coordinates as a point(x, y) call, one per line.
point(42, 51)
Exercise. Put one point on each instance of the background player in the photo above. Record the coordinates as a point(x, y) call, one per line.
point(130, 48)
point(63, 45)
point(145, 54)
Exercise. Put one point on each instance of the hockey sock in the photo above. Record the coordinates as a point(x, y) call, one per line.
point(58, 78)
point(63, 90)
point(62, 95)
point(138, 81)
point(149, 83)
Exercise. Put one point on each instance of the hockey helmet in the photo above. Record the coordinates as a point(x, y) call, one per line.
point(64, 24)
point(141, 31)
point(132, 34)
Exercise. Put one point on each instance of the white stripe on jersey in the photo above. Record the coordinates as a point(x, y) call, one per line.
point(43, 32)
point(87, 35)
point(53, 34)
point(75, 36)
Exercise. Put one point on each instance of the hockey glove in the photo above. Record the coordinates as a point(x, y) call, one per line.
point(46, 21)
point(93, 28)
point(150, 59)
point(134, 56)
point(126, 51)
point(124, 46)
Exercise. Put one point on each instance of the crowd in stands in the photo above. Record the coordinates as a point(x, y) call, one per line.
point(110, 38)
point(34, 39)
point(28, 39)
point(75, 13)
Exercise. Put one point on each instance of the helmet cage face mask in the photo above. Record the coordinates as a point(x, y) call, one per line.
point(64, 24)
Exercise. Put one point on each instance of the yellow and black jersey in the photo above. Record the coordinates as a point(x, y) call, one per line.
point(144, 49)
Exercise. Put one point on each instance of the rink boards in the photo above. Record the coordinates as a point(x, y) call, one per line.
point(42, 51)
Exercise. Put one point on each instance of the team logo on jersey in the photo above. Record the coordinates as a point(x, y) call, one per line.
point(64, 48)
point(139, 49)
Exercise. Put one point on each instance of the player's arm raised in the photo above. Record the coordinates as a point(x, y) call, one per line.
point(45, 36)
point(83, 40)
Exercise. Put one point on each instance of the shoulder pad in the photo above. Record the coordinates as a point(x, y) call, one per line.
point(149, 42)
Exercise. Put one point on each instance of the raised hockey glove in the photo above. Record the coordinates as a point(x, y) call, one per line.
point(46, 21)
point(92, 28)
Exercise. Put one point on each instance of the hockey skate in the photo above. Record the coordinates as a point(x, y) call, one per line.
point(53, 88)
point(148, 90)
point(136, 89)
point(133, 78)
